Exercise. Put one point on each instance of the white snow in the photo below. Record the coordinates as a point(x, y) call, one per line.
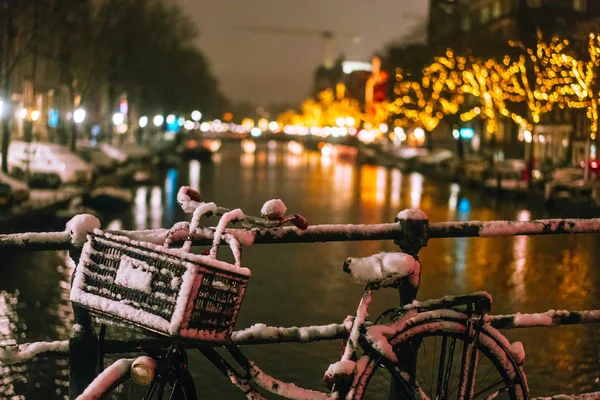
point(545, 319)
point(188, 199)
point(274, 209)
point(24, 352)
point(304, 334)
point(134, 274)
point(21, 240)
point(285, 390)
point(412, 213)
point(584, 396)
point(103, 381)
point(183, 256)
point(511, 228)
point(232, 215)
point(201, 209)
point(79, 226)
point(385, 267)
point(340, 368)
point(517, 351)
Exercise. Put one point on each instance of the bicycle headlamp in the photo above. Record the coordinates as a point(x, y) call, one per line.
point(142, 370)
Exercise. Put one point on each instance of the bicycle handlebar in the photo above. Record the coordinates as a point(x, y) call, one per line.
point(323, 233)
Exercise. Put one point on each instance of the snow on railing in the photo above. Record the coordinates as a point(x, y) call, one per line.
point(315, 233)
point(513, 228)
point(585, 396)
point(24, 352)
point(547, 319)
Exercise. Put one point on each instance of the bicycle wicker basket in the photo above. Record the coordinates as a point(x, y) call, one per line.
point(167, 291)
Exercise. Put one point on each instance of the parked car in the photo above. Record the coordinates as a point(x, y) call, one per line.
point(508, 175)
point(569, 183)
point(97, 157)
point(437, 162)
point(47, 164)
point(19, 190)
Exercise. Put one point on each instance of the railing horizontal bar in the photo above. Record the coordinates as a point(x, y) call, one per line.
point(548, 319)
point(288, 234)
point(322, 233)
point(36, 241)
point(512, 228)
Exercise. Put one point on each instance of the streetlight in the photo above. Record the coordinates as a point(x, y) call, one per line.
point(158, 120)
point(79, 115)
point(170, 119)
point(181, 121)
point(118, 118)
point(196, 115)
point(419, 133)
point(143, 121)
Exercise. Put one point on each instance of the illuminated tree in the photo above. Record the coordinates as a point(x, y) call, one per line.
point(579, 88)
point(325, 111)
point(437, 95)
point(538, 80)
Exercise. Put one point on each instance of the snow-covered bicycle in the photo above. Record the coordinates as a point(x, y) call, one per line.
point(442, 348)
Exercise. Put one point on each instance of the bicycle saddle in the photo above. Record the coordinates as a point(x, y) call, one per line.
point(384, 268)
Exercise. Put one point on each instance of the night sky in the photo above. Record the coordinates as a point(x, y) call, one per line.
point(267, 68)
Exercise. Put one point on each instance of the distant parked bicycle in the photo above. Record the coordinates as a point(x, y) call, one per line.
point(442, 348)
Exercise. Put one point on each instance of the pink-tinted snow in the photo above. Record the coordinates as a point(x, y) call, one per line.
point(304, 334)
point(511, 228)
point(283, 389)
point(274, 209)
point(24, 352)
point(134, 274)
point(79, 226)
point(233, 215)
point(103, 381)
point(201, 210)
point(412, 213)
point(385, 268)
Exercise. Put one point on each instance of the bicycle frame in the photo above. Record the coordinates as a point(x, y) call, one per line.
point(410, 235)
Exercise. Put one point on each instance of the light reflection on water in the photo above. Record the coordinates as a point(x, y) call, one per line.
point(522, 274)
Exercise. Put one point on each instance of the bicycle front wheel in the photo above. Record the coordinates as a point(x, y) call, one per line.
point(182, 388)
point(436, 347)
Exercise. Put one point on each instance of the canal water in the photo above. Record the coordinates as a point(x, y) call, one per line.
point(303, 284)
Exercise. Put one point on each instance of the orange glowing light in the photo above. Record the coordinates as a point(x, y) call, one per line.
point(228, 116)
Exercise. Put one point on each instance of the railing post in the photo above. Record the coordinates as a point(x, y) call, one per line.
point(83, 347)
point(414, 237)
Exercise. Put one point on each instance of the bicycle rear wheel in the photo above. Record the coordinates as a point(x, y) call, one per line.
point(437, 347)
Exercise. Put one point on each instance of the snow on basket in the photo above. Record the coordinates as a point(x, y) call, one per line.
point(167, 291)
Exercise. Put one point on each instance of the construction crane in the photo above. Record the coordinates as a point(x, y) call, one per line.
point(327, 36)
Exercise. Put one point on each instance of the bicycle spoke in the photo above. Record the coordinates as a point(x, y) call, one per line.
point(440, 380)
point(485, 375)
point(449, 367)
point(493, 385)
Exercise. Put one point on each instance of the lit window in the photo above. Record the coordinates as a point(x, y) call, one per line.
point(466, 23)
point(484, 15)
point(534, 3)
point(497, 9)
point(579, 5)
